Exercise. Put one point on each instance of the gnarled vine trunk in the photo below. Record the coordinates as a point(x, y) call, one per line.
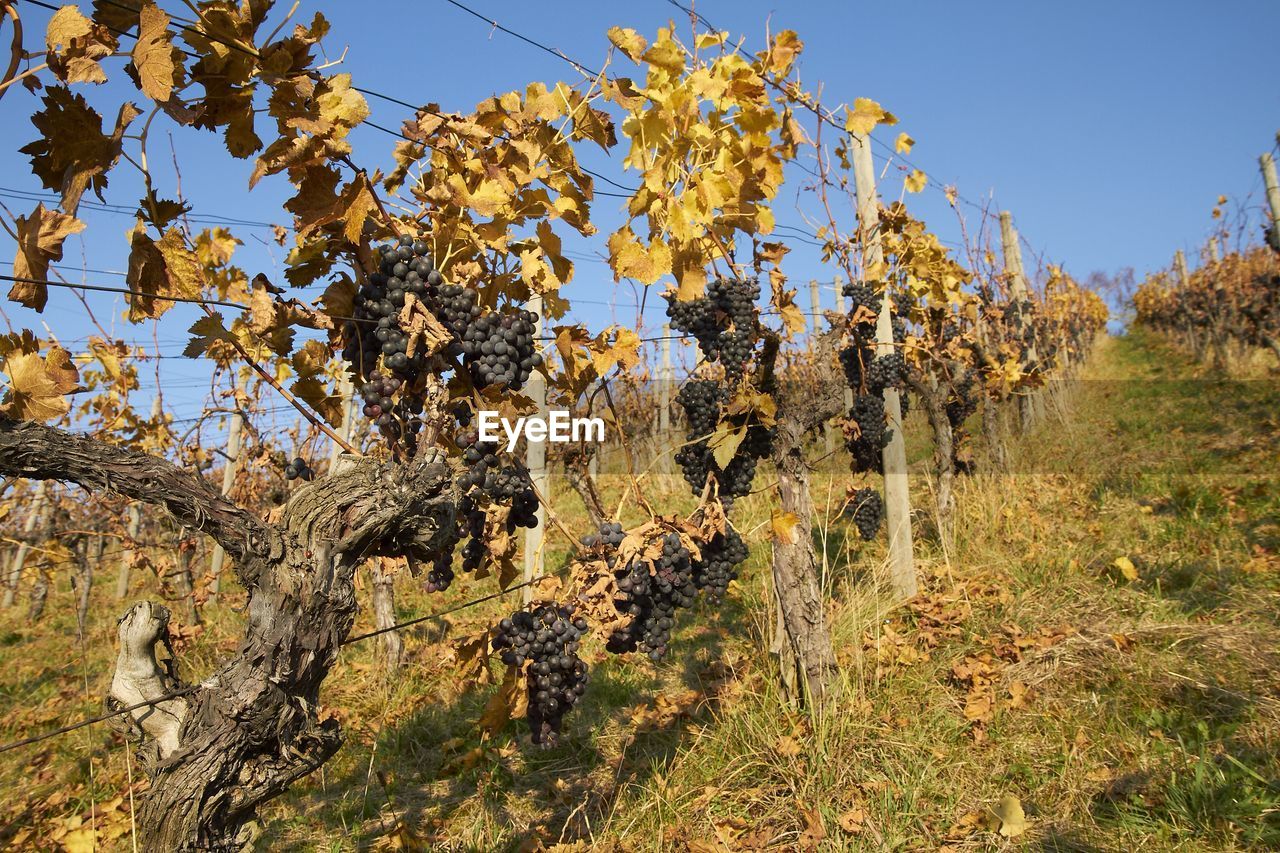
point(251, 728)
point(933, 397)
point(803, 645)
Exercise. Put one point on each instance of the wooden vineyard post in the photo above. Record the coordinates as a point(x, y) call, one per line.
point(1012, 251)
point(132, 526)
point(133, 521)
point(815, 306)
point(536, 461)
point(228, 482)
point(665, 380)
point(897, 501)
point(1214, 254)
point(39, 505)
point(1268, 164)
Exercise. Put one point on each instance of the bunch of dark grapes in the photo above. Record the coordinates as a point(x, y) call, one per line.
point(866, 508)
point(456, 307)
point(298, 469)
point(724, 322)
point(854, 359)
point(473, 523)
point(697, 462)
point(962, 402)
point(886, 371)
point(859, 293)
point(862, 295)
point(404, 268)
point(548, 637)
point(651, 592)
point(499, 348)
point(899, 327)
point(488, 478)
point(440, 575)
point(873, 433)
point(738, 475)
point(719, 564)
point(392, 416)
point(505, 482)
point(701, 399)
point(611, 535)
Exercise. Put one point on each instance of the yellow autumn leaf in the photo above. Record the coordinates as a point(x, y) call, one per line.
point(76, 45)
point(1008, 817)
point(865, 115)
point(706, 40)
point(341, 105)
point(785, 527)
point(665, 53)
point(903, 143)
point(630, 259)
point(915, 181)
point(40, 239)
point(724, 443)
point(1126, 567)
point(66, 25)
point(35, 392)
point(489, 197)
point(153, 54)
point(83, 840)
point(628, 41)
point(782, 53)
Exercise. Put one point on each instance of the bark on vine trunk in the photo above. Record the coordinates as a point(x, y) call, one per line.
point(805, 654)
point(250, 729)
point(807, 658)
point(933, 397)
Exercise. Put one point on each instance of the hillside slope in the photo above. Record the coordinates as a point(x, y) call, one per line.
point(1095, 660)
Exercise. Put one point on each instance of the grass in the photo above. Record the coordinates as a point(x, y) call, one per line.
point(1122, 713)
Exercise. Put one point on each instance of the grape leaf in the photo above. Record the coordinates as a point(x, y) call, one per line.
point(76, 46)
point(865, 115)
point(73, 154)
point(206, 332)
point(40, 239)
point(724, 443)
point(628, 41)
point(37, 386)
point(153, 54)
point(630, 259)
point(785, 527)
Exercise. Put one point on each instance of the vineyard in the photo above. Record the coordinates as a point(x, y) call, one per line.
point(354, 520)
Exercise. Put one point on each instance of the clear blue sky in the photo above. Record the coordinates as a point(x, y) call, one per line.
point(1109, 129)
